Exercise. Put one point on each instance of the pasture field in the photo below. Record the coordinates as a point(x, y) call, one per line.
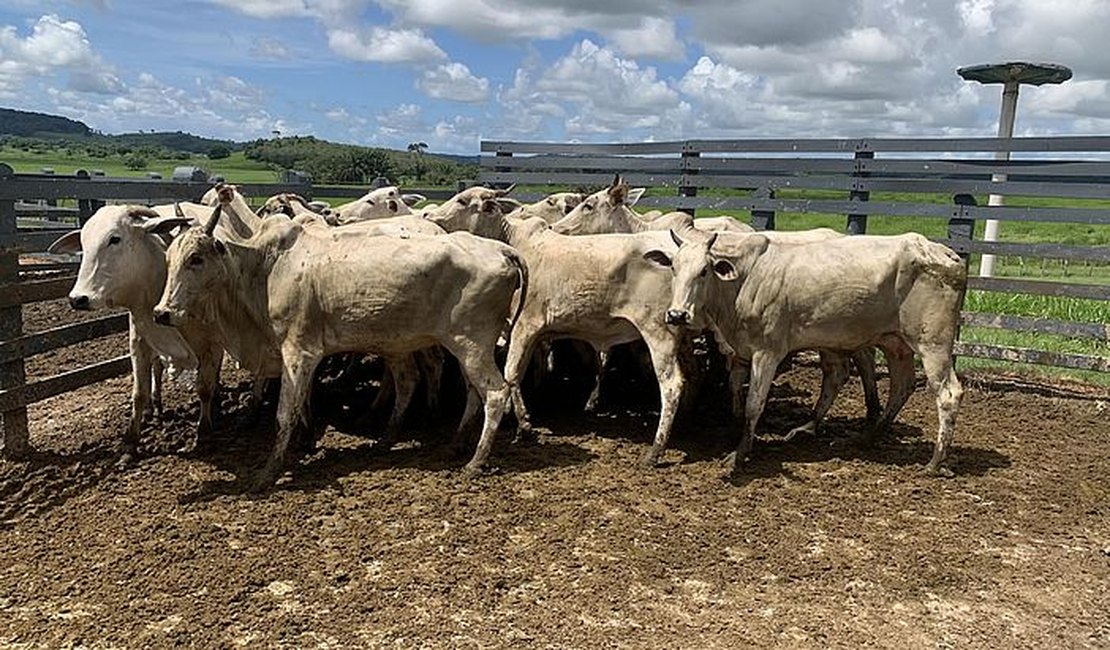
point(235, 167)
point(568, 543)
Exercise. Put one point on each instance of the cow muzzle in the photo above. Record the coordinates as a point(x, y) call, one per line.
point(163, 317)
point(80, 302)
point(677, 317)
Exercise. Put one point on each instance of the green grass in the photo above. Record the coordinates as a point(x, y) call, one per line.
point(234, 168)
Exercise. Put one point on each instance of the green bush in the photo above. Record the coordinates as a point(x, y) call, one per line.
point(218, 152)
point(135, 162)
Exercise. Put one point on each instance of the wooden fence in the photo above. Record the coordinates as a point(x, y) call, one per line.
point(28, 224)
point(774, 177)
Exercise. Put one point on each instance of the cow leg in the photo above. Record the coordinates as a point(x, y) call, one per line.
point(481, 371)
point(764, 364)
point(521, 344)
point(461, 440)
point(158, 374)
point(899, 362)
point(404, 370)
point(142, 365)
point(738, 372)
point(208, 379)
point(258, 389)
point(664, 360)
point(834, 373)
point(601, 357)
point(386, 388)
point(937, 361)
point(430, 361)
point(864, 361)
point(298, 365)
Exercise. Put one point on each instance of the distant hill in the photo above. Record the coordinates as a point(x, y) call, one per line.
point(327, 161)
point(174, 141)
point(29, 124)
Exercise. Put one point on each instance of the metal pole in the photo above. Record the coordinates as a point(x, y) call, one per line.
point(1005, 130)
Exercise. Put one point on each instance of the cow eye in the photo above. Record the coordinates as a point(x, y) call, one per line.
point(113, 240)
point(195, 260)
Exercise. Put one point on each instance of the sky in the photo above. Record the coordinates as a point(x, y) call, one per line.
point(453, 72)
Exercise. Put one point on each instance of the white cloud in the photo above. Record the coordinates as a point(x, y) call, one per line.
point(269, 48)
point(453, 81)
point(52, 46)
point(268, 8)
point(652, 38)
point(385, 45)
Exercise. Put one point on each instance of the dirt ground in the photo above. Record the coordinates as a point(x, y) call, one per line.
point(569, 543)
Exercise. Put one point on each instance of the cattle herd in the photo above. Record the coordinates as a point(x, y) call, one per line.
point(281, 288)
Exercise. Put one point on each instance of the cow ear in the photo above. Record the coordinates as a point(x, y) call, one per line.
point(67, 243)
point(508, 205)
point(634, 195)
point(725, 270)
point(163, 225)
point(658, 258)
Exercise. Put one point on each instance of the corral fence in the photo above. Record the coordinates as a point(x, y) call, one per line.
point(772, 177)
point(35, 209)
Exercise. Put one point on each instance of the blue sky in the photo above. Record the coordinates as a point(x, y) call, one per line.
point(452, 72)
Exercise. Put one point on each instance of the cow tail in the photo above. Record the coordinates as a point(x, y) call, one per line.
point(516, 260)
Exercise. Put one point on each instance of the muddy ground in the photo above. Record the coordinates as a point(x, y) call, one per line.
point(569, 543)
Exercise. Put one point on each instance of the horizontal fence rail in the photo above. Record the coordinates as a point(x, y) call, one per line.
point(860, 178)
point(30, 220)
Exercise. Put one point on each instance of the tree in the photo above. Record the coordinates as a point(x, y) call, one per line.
point(218, 151)
point(135, 162)
point(417, 150)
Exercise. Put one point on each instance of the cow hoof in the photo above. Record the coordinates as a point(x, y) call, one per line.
point(650, 460)
point(126, 460)
point(471, 471)
point(939, 471)
point(260, 482)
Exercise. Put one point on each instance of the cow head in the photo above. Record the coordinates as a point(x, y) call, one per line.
point(123, 262)
point(476, 209)
point(609, 210)
point(197, 269)
point(695, 265)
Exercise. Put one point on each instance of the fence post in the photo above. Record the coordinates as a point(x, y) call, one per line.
point(763, 219)
point(857, 223)
point(500, 170)
point(12, 374)
point(960, 228)
point(685, 188)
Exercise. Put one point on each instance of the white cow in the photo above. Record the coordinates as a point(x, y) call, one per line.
point(611, 212)
point(551, 208)
point(901, 294)
point(380, 203)
point(124, 265)
point(312, 296)
point(599, 289)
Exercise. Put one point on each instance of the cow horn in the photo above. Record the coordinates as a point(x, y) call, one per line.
point(178, 211)
point(616, 180)
point(210, 227)
point(674, 236)
point(505, 191)
point(712, 239)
